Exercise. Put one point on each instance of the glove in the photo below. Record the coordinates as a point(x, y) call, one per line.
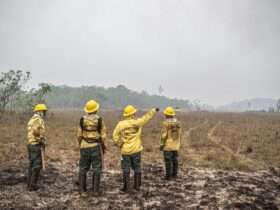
point(157, 109)
point(42, 142)
point(161, 147)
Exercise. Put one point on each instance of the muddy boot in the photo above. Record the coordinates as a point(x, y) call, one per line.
point(175, 165)
point(175, 170)
point(137, 181)
point(140, 179)
point(168, 171)
point(83, 184)
point(167, 178)
point(28, 178)
point(96, 184)
point(33, 180)
point(125, 182)
point(37, 175)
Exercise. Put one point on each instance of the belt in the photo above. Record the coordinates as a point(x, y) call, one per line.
point(91, 140)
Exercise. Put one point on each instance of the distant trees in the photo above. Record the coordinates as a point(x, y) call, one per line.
point(197, 105)
point(113, 97)
point(271, 109)
point(13, 94)
point(249, 105)
point(278, 105)
point(276, 108)
point(39, 94)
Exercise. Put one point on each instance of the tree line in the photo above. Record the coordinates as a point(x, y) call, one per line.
point(16, 96)
point(112, 98)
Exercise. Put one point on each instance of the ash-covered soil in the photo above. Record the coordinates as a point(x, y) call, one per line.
point(195, 188)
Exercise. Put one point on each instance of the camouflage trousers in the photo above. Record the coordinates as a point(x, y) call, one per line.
point(90, 157)
point(131, 161)
point(171, 163)
point(35, 157)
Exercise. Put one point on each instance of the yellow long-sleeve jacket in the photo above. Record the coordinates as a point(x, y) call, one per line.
point(91, 129)
point(36, 130)
point(171, 134)
point(127, 133)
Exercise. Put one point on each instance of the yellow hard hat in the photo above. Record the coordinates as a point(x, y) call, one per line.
point(129, 110)
point(40, 107)
point(91, 106)
point(169, 111)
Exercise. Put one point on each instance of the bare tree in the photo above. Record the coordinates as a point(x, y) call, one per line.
point(40, 94)
point(11, 83)
point(25, 100)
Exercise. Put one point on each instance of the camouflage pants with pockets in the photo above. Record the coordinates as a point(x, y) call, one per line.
point(171, 163)
point(131, 162)
point(35, 157)
point(90, 157)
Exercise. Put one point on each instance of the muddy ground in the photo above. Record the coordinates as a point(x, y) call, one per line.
point(195, 188)
point(228, 161)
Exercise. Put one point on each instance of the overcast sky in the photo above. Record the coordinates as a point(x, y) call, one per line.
point(217, 51)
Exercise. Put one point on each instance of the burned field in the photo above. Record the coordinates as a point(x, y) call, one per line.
point(227, 161)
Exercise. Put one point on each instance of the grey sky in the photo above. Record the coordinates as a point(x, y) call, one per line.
point(215, 50)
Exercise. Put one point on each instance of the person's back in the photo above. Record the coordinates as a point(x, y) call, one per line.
point(91, 136)
point(91, 130)
point(35, 129)
point(127, 135)
point(170, 142)
point(171, 134)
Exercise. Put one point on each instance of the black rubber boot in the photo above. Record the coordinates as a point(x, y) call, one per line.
point(96, 183)
point(83, 183)
point(168, 172)
point(37, 174)
point(93, 181)
point(175, 164)
point(175, 169)
point(34, 180)
point(28, 179)
point(125, 182)
point(137, 181)
point(140, 179)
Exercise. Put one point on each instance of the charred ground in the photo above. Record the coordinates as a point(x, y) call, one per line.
point(228, 161)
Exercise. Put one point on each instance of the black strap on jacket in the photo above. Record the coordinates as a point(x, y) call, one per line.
point(99, 128)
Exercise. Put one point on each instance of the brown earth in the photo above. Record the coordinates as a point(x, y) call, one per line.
point(227, 161)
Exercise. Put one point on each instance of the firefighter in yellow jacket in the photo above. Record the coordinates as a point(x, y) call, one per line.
point(170, 142)
point(127, 135)
point(36, 143)
point(91, 136)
